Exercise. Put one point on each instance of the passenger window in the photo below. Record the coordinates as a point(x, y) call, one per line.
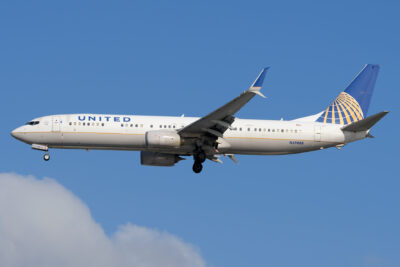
point(122, 125)
point(248, 129)
point(240, 129)
point(151, 126)
point(136, 125)
point(102, 124)
point(83, 124)
point(70, 123)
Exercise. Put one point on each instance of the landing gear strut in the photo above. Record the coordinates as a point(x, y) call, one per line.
point(199, 158)
point(46, 157)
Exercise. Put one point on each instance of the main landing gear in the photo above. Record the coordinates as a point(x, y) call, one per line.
point(199, 158)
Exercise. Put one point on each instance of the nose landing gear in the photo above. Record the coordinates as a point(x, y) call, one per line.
point(44, 148)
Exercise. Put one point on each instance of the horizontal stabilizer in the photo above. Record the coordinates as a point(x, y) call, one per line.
point(365, 124)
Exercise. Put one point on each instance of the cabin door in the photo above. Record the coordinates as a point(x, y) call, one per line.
point(317, 133)
point(56, 124)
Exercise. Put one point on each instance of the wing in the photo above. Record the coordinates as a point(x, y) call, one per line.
point(218, 121)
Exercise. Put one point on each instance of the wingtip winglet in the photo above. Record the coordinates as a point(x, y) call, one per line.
point(256, 86)
point(259, 93)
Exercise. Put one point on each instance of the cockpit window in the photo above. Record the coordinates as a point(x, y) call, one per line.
point(32, 123)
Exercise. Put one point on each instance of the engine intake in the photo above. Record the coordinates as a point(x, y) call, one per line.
point(161, 139)
point(158, 159)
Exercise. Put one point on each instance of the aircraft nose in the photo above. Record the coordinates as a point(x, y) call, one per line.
point(13, 133)
point(16, 133)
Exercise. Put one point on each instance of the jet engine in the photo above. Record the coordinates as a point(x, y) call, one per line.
point(158, 159)
point(162, 139)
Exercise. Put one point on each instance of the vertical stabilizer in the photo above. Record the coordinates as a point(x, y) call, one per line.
point(352, 104)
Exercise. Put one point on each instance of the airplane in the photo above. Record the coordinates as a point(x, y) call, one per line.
point(163, 141)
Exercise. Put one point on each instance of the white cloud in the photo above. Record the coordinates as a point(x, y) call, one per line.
point(43, 224)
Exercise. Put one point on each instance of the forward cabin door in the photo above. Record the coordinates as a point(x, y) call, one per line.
point(317, 133)
point(56, 124)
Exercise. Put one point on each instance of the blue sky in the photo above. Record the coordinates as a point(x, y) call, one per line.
point(330, 208)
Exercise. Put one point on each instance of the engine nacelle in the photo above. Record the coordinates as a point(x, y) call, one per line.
point(158, 159)
point(163, 139)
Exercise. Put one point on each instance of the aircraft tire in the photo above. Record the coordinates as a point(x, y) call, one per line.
point(197, 167)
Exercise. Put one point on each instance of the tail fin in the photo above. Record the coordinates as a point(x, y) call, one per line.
point(352, 104)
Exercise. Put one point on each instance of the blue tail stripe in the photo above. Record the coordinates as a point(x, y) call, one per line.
point(361, 88)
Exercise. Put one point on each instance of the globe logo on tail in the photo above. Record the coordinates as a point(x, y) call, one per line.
point(344, 110)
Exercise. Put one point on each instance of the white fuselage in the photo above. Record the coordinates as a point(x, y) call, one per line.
point(128, 132)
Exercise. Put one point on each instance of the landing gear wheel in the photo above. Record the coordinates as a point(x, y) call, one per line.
point(197, 167)
point(46, 157)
